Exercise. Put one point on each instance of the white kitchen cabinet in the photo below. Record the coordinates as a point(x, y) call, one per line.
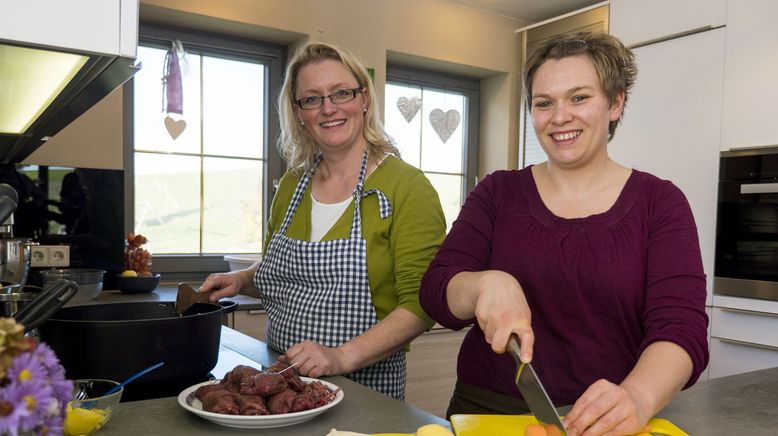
point(97, 26)
point(640, 21)
point(750, 78)
point(669, 125)
point(743, 335)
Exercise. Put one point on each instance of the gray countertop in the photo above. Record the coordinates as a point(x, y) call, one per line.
point(165, 292)
point(735, 405)
point(362, 409)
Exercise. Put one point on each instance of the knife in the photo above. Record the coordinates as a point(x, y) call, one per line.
point(532, 389)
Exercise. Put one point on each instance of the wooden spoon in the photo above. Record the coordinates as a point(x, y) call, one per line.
point(187, 296)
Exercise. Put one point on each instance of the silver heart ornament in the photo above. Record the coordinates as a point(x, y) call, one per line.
point(409, 107)
point(444, 123)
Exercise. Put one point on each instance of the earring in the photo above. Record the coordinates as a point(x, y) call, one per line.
point(364, 110)
point(302, 123)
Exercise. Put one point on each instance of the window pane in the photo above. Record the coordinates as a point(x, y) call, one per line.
point(167, 202)
point(401, 102)
point(150, 131)
point(450, 192)
point(435, 154)
point(233, 107)
point(232, 221)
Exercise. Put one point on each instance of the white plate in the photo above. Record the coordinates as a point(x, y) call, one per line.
point(188, 401)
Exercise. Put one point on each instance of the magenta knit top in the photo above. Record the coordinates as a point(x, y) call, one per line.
point(601, 289)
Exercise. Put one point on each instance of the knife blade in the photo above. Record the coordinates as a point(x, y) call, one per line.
point(532, 389)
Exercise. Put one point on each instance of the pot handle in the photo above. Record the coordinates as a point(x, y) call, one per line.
point(228, 306)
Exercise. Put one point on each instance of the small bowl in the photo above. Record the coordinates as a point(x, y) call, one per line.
point(241, 261)
point(138, 285)
point(91, 408)
point(89, 281)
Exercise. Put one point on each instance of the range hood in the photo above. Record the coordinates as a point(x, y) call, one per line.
point(57, 60)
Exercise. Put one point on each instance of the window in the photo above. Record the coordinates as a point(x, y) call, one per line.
point(433, 119)
point(203, 191)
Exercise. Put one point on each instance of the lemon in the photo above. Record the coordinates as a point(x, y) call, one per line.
point(129, 273)
point(80, 421)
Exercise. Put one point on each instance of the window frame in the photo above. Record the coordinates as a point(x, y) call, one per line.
point(223, 46)
point(471, 88)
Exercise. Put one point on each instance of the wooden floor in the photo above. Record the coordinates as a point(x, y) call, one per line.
point(432, 364)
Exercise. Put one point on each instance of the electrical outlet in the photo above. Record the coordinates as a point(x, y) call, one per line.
point(50, 255)
point(39, 256)
point(59, 255)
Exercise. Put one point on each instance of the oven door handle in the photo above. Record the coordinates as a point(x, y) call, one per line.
point(759, 188)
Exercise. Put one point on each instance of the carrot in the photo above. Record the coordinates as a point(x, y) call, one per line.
point(535, 430)
point(552, 430)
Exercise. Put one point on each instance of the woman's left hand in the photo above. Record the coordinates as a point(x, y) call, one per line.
point(315, 360)
point(605, 409)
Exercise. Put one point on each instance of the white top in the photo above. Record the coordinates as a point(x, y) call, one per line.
point(324, 216)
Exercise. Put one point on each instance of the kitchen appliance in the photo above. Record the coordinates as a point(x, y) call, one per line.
point(747, 224)
point(532, 389)
point(112, 341)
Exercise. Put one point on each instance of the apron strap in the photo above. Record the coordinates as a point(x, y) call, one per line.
point(298, 195)
point(385, 206)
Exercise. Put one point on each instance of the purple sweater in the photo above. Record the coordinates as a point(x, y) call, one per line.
point(601, 289)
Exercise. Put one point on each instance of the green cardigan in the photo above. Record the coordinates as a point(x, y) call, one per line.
point(399, 247)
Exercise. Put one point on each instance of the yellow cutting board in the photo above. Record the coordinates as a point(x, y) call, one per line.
point(514, 425)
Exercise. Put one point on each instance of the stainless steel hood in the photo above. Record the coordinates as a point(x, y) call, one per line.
point(96, 41)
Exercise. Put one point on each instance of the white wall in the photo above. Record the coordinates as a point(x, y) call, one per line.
point(465, 40)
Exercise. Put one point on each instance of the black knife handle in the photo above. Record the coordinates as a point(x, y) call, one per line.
point(514, 349)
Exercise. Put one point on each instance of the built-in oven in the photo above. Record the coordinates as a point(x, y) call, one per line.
point(747, 224)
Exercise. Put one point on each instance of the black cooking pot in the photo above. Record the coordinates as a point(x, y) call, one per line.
point(114, 341)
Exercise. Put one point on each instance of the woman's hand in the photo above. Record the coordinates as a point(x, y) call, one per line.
point(224, 284)
point(315, 360)
point(605, 409)
point(502, 309)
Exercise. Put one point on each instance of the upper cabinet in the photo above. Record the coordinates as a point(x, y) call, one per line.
point(91, 26)
point(636, 22)
point(750, 75)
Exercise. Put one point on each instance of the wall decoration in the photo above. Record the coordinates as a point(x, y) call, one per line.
point(445, 123)
point(172, 90)
point(409, 107)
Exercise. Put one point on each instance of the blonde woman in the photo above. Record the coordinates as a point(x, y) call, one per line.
point(351, 231)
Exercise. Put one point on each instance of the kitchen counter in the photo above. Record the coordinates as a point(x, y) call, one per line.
point(739, 404)
point(362, 409)
point(165, 292)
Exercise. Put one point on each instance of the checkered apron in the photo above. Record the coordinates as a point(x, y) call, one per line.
point(319, 291)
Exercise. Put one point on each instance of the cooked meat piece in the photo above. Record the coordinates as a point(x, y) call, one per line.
point(241, 375)
point(280, 366)
point(265, 384)
point(303, 402)
point(221, 401)
point(252, 405)
point(281, 402)
point(204, 390)
point(294, 381)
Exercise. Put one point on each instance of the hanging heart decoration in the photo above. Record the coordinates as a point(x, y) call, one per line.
point(445, 123)
point(409, 107)
point(174, 127)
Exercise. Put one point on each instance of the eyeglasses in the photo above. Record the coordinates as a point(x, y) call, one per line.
point(338, 97)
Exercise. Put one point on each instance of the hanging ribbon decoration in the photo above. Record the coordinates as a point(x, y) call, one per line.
point(172, 90)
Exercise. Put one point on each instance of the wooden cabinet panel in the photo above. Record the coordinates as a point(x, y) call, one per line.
point(432, 370)
point(251, 323)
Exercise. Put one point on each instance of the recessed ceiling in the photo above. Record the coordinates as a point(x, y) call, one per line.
point(529, 11)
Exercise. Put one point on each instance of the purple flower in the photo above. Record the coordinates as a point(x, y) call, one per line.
point(12, 409)
point(27, 368)
point(36, 397)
